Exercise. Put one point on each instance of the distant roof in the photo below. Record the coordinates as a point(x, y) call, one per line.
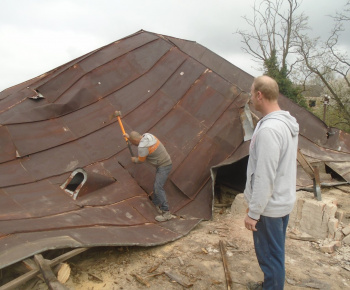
point(55, 129)
point(315, 91)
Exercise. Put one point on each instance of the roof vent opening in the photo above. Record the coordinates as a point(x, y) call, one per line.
point(38, 96)
point(75, 182)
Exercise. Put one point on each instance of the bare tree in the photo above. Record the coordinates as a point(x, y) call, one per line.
point(279, 39)
point(327, 61)
point(272, 41)
point(273, 32)
point(344, 15)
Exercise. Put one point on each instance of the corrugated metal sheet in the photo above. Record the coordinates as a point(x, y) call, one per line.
point(189, 97)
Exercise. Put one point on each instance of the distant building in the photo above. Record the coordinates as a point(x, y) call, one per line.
point(314, 96)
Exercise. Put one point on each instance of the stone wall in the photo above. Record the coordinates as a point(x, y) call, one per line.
point(315, 219)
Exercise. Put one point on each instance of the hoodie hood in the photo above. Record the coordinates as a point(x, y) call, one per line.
point(286, 118)
point(147, 140)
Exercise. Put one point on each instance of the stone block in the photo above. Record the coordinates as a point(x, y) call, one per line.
point(239, 206)
point(312, 216)
point(331, 206)
point(346, 230)
point(339, 215)
point(313, 220)
point(336, 244)
point(331, 247)
point(333, 224)
point(338, 235)
point(346, 240)
point(327, 249)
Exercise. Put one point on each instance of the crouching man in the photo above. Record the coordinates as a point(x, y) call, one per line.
point(151, 150)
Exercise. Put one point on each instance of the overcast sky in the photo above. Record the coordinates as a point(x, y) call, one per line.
point(39, 35)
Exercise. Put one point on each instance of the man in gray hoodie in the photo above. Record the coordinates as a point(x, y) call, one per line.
point(271, 181)
point(150, 149)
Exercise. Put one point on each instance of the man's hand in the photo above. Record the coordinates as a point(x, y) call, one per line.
point(250, 223)
point(134, 159)
point(126, 135)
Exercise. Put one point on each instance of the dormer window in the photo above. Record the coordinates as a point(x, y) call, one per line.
point(75, 182)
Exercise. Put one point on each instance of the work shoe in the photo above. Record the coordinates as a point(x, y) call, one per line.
point(165, 216)
point(255, 285)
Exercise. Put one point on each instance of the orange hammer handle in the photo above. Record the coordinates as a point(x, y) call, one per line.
point(126, 139)
point(122, 127)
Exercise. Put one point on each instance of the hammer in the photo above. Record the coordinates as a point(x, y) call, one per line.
point(117, 115)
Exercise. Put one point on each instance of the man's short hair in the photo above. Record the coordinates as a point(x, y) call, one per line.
point(267, 86)
point(135, 136)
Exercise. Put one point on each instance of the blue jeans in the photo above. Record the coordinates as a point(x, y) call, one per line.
point(269, 242)
point(159, 196)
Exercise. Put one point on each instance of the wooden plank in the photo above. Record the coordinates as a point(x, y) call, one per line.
point(175, 278)
point(305, 164)
point(224, 262)
point(31, 265)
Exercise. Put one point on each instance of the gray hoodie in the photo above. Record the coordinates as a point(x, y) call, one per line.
point(271, 172)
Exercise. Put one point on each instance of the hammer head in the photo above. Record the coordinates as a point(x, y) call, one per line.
point(115, 115)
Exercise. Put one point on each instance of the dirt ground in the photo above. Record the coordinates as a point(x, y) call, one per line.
point(195, 261)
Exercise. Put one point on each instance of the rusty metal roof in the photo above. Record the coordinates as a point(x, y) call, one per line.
point(57, 123)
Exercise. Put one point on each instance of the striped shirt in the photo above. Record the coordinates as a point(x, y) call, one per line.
point(150, 149)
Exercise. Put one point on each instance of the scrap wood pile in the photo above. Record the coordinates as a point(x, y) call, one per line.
point(54, 272)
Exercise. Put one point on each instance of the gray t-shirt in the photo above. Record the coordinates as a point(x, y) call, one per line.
point(153, 150)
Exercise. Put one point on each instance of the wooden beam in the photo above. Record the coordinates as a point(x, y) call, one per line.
point(305, 164)
point(49, 277)
point(313, 172)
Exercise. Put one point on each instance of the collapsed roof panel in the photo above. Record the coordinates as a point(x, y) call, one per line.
point(342, 168)
point(18, 246)
point(316, 130)
point(66, 179)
